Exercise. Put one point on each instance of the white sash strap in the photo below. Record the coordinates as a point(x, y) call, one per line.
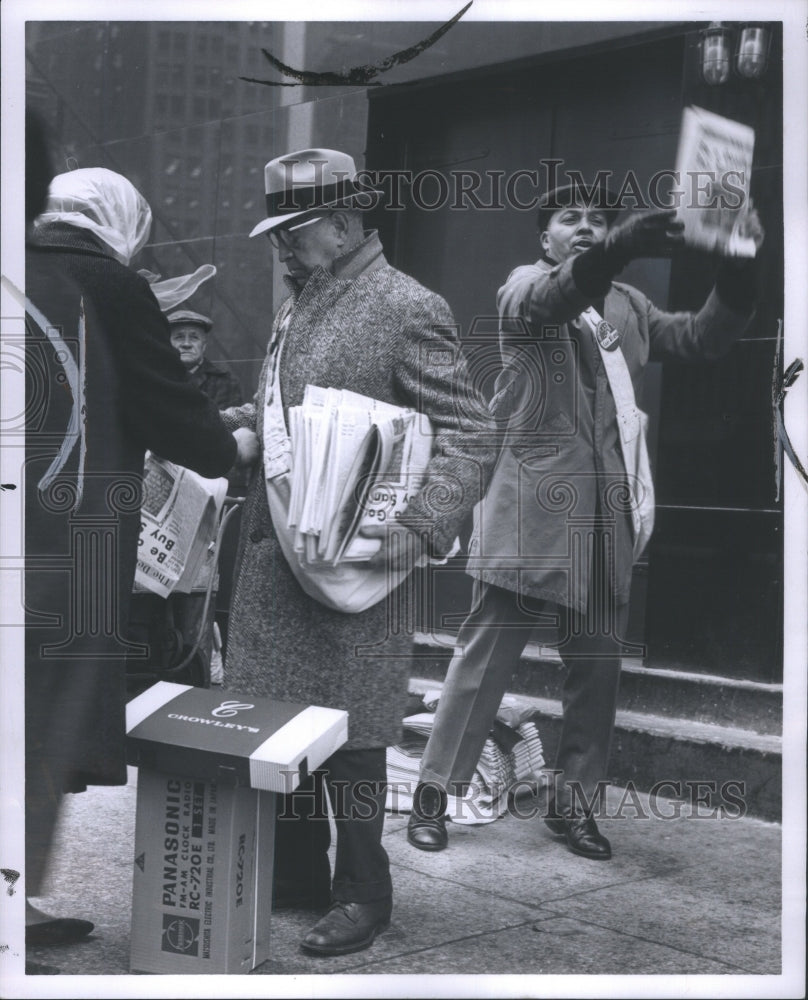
point(632, 424)
point(277, 446)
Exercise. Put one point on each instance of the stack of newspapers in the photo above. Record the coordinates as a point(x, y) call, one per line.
point(356, 461)
point(512, 760)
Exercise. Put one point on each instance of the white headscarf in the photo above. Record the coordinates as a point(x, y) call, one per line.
point(170, 292)
point(104, 202)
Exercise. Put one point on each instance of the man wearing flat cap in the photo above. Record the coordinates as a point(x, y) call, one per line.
point(570, 504)
point(189, 337)
point(351, 322)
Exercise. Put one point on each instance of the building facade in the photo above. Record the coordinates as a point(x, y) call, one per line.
point(191, 111)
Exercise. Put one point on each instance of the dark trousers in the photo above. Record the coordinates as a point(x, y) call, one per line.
point(356, 782)
point(488, 648)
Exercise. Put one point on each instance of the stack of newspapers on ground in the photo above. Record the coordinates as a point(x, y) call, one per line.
point(356, 461)
point(511, 762)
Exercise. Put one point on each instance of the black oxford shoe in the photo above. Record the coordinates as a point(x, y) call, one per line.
point(59, 930)
point(582, 836)
point(426, 828)
point(348, 927)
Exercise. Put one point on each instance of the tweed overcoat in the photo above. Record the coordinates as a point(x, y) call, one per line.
point(561, 451)
point(369, 328)
point(81, 551)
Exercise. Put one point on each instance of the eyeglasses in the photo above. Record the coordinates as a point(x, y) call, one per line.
point(288, 236)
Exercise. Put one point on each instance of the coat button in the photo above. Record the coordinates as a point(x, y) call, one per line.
point(256, 535)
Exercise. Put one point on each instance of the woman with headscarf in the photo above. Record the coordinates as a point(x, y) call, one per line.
point(103, 385)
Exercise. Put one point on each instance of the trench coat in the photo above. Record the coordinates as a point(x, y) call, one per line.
point(374, 330)
point(82, 527)
point(560, 459)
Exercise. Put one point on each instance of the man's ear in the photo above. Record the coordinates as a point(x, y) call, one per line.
point(341, 222)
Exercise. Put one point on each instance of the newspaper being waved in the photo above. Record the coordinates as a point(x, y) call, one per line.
point(179, 519)
point(356, 461)
point(714, 172)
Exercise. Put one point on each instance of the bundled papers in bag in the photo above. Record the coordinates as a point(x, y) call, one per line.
point(356, 461)
point(179, 519)
point(714, 172)
point(512, 753)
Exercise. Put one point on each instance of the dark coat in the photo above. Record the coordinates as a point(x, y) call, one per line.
point(376, 331)
point(81, 532)
point(561, 451)
point(218, 384)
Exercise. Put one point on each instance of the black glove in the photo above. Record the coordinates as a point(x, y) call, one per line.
point(737, 277)
point(646, 234)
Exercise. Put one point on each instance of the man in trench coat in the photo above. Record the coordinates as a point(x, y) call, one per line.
point(555, 537)
point(351, 322)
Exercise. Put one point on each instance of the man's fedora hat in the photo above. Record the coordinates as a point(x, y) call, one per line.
point(597, 196)
point(308, 180)
point(189, 316)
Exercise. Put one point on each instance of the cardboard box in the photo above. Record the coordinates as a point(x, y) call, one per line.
point(210, 765)
point(202, 887)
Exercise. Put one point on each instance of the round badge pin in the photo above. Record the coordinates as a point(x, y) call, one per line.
point(608, 337)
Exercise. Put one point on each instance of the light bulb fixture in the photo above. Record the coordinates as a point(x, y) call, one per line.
point(753, 51)
point(716, 53)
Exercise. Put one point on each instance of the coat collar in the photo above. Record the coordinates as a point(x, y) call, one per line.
point(364, 257)
point(208, 367)
point(62, 236)
point(617, 307)
point(616, 304)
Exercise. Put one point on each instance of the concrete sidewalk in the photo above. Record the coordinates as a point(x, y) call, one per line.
point(681, 897)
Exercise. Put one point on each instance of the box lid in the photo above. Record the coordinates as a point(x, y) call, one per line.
point(223, 736)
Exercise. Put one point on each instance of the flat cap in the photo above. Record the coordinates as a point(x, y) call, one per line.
point(598, 196)
point(189, 316)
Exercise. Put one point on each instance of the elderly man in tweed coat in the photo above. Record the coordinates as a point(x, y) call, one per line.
point(352, 322)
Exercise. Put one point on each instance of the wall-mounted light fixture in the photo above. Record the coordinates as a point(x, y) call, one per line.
point(751, 55)
point(716, 53)
point(753, 51)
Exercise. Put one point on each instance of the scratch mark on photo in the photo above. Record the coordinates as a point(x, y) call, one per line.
point(357, 76)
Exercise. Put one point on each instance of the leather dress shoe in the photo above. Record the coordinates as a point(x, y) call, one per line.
point(426, 828)
point(582, 836)
point(348, 927)
point(59, 930)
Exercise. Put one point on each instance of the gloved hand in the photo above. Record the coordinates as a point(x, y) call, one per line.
point(751, 226)
point(399, 548)
point(644, 234)
point(248, 444)
point(736, 279)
